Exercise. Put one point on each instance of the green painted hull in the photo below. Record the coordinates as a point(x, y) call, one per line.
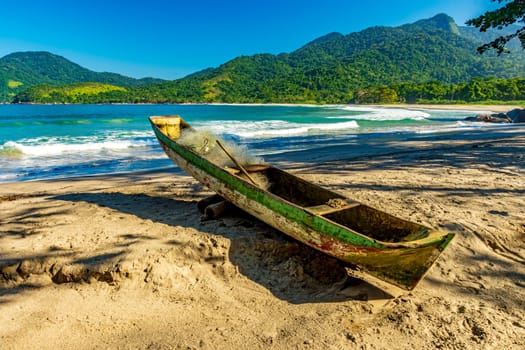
point(386, 247)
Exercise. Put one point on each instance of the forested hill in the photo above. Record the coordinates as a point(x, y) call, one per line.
point(335, 68)
point(21, 70)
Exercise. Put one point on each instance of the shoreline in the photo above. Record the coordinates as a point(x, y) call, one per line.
point(497, 108)
point(364, 147)
point(460, 107)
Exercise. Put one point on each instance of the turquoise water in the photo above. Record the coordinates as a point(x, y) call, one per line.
point(56, 141)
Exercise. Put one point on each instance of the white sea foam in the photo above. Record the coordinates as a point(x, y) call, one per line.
point(235, 127)
point(54, 147)
point(273, 128)
point(382, 114)
point(457, 126)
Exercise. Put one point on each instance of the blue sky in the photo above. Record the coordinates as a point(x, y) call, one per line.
point(170, 39)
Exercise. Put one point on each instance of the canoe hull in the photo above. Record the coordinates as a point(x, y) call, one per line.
point(403, 265)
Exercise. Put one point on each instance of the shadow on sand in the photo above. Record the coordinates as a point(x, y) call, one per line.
point(288, 269)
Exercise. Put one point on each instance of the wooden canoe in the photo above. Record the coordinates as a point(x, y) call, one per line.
point(383, 246)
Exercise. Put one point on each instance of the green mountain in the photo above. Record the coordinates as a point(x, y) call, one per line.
point(335, 68)
point(21, 70)
point(441, 21)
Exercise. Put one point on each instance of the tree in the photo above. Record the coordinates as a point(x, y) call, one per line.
point(512, 12)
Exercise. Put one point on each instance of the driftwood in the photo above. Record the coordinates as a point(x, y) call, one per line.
point(203, 203)
point(218, 210)
point(214, 207)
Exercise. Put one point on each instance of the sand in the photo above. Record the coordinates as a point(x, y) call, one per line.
point(125, 262)
point(483, 109)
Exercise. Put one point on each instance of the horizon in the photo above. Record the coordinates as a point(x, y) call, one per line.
point(169, 41)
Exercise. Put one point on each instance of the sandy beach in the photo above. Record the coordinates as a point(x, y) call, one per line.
point(125, 262)
point(502, 108)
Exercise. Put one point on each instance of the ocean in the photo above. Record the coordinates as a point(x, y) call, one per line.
point(59, 141)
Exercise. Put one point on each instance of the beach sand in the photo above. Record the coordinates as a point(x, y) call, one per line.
point(124, 261)
point(483, 109)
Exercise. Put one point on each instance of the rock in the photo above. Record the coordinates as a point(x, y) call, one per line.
point(490, 118)
point(500, 116)
point(514, 116)
point(517, 115)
